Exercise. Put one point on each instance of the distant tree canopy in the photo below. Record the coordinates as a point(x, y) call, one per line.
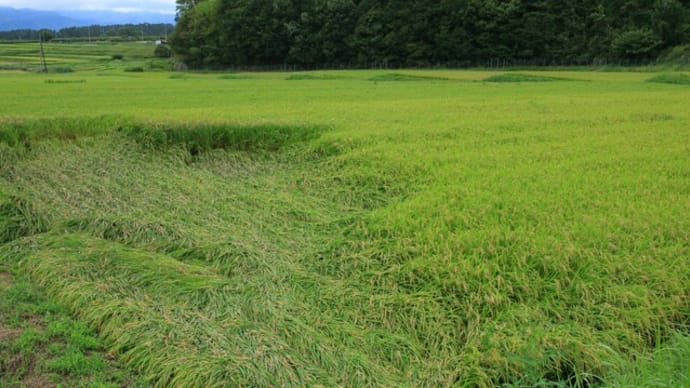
point(425, 32)
point(121, 31)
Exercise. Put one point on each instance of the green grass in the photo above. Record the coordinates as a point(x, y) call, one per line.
point(672, 78)
point(41, 345)
point(351, 233)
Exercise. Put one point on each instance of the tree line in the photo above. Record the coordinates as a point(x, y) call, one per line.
point(365, 33)
point(109, 32)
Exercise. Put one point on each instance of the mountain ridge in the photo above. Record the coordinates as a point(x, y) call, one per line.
point(15, 19)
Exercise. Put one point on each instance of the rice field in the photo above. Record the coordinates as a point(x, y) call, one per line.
point(349, 228)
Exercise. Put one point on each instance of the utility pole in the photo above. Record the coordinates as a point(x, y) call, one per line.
point(44, 65)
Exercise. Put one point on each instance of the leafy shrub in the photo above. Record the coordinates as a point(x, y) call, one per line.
point(135, 69)
point(158, 65)
point(163, 51)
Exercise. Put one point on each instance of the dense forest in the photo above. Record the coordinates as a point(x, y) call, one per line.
point(110, 32)
point(367, 33)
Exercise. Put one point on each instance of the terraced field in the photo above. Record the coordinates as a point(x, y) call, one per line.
point(355, 228)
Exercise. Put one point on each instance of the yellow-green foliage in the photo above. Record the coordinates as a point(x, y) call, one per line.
point(437, 233)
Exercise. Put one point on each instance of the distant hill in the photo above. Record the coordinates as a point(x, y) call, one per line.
point(110, 17)
point(15, 19)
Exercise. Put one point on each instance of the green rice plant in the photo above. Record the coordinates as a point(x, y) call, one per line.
point(200, 138)
point(60, 70)
point(311, 76)
point(65, 81)
point(397, 77)
point(229, 259)
point(671, 78)
point(130, 231)
point(424, 236)
point(516, 77)
point(18, 218)
point(23, 132)
point(14, 67)
point(231, 76)
point(179, 76)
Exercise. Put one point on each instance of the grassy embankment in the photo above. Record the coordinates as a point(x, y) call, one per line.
point(357, 227)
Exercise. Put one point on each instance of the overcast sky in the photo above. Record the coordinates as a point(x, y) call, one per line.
point(161, 6)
